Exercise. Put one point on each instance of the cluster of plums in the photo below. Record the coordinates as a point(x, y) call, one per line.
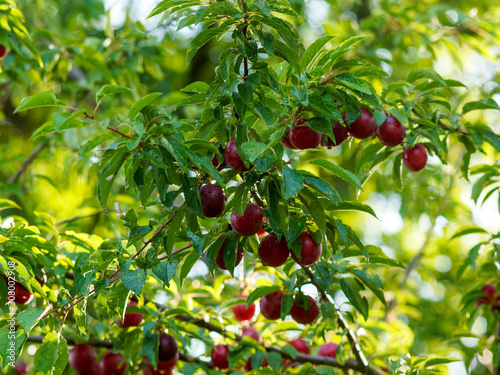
point(82, 358)
point(489, 298)
point(390, 133)
point(270, 307)
point(272, 251)
point(22, 296)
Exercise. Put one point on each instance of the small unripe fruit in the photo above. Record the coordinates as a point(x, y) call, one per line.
point(340, 133)
point(303, 137)
point(233, 159)
point(219, 260)
point(248, 224)
point(213, 200)
point(391, 132)
point(167, 349)
point(241, 312)
point(250, 332)
point(273, 252)
point(131, 319)
point(82, 357)
point(310, 252)
point(270, 305)
point(3, 51)
point(364, 126)
point(248, 364)
point(300, 315)
point(219, 357)
point(415, 158)
point(328, 350)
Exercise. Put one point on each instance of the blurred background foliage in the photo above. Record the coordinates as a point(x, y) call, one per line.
point(85, 44)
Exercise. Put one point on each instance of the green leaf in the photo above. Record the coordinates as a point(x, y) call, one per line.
point(109, 173)
point(166, 270)
point(52, 356)
point(141, 103)
point(253, 150)
point(198, 87)
point(340, 172)
point(7, 203)
point(108, 90)
point(188, 264)
point(314, 52)
point(468, 230)
point(355, 206)
point(397, 171)
point(439, 361)
point(43, 99)
point(481, 104)
point(354, 83)
point(29, 318)
point(260, 292)
point(134, 280)
point(314, 208)
point(201, 39)
point(173, 229)
point(352, 289)
point(245, 90)
point(293, 182)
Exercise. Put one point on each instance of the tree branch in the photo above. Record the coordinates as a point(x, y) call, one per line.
point(109, 345)
point(443, 126)
point(351, 335)
point(413, 263)
point(15, 177)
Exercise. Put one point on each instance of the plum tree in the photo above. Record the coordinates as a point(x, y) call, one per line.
point(364, 126)
point(391, 132)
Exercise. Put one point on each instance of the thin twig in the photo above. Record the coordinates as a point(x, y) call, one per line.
point(351, 335)
point(15, 177)
point(413, 263)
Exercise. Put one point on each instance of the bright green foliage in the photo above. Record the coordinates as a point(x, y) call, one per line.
point(111, 208)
